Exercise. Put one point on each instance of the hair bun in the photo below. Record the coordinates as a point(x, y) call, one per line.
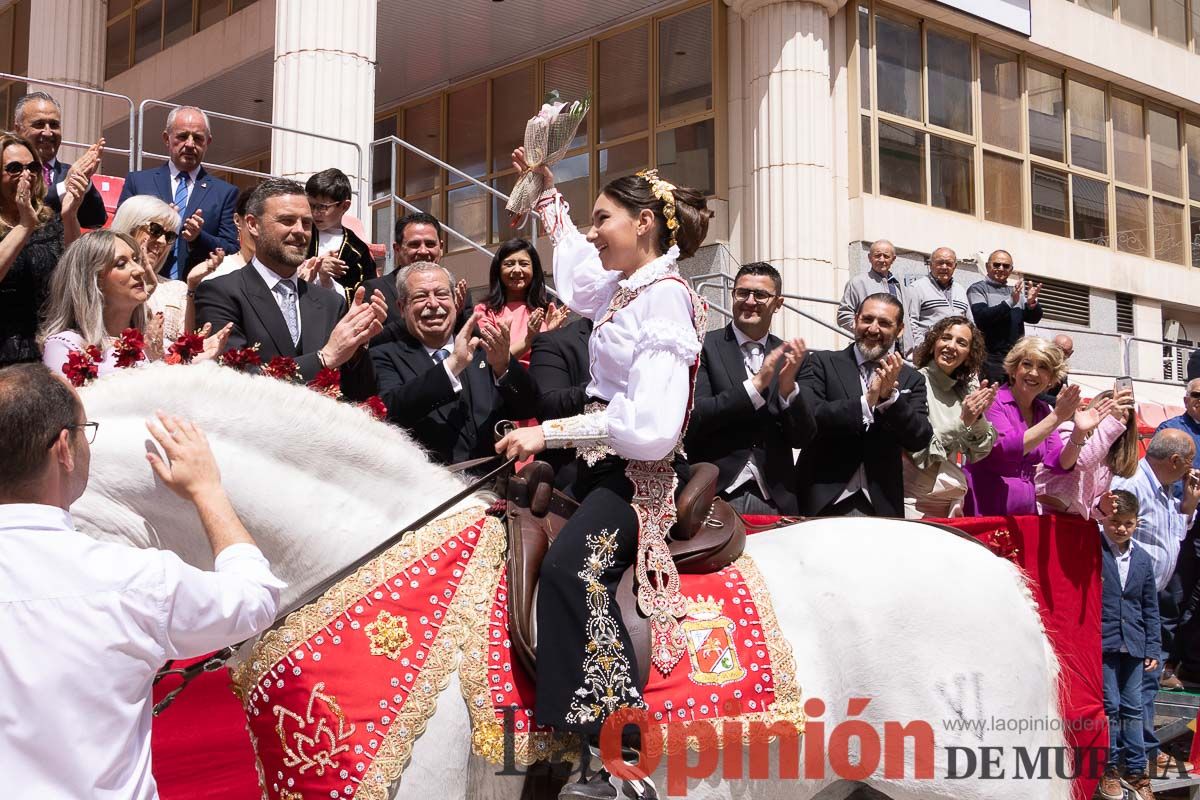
point(692, 213)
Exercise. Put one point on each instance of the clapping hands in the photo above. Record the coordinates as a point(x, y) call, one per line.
point(976, 404)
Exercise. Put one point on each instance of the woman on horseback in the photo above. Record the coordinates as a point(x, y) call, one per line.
point(643, 352)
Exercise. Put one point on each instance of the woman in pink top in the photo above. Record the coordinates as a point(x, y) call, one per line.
point(1110, 449)
point(517, 297)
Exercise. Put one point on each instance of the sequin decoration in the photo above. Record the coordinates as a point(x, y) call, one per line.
point(388, 635)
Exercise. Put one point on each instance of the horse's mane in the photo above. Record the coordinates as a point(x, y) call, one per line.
point(327, 427)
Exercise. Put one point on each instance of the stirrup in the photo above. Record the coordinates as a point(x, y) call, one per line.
point(636, 789)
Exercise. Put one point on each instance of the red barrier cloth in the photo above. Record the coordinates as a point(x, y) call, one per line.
point(1061, 555)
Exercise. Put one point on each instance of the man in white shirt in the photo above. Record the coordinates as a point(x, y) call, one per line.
point(737, 414)
point(84, 624)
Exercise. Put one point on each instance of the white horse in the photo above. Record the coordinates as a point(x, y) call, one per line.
point(927, 625)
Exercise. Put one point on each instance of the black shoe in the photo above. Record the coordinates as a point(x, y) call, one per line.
point(598, 786)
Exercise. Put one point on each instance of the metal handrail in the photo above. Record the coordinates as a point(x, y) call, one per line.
point(141, 120)
point(705, 281)
point(437, 161)
point(87, 90)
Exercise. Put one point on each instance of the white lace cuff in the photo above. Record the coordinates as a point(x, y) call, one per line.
point(587, 433)
point(670, 337)
point(555, 213)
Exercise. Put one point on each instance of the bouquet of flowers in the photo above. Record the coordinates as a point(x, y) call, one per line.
point(547, 138)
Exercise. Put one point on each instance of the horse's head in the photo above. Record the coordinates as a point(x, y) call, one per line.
point(316, 482)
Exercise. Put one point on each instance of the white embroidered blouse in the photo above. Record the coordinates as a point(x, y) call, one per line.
point(641, 355)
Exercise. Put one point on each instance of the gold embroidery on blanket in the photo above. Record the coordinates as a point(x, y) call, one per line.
point(319, 748)
point(389, 635)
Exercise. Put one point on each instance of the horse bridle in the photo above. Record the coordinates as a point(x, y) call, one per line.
point(218, 659)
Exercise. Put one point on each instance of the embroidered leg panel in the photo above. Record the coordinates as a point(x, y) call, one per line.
point(608, 682)
point(659, 597)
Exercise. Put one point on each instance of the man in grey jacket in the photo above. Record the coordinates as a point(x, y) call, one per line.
point(937, 295)
point(877, 279)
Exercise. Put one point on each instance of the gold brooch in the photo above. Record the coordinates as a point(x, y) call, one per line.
point(389, 635)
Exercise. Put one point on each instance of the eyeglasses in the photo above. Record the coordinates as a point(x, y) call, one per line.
point(322, 207)
point(155, 230)
point(1194, 395)
point(1004, 267)
point(89, 431)
point(16, 167)
point(760, 295)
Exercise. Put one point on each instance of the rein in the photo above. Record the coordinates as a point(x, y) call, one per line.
point(218, 659)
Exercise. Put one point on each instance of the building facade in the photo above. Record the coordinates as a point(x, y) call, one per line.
point(1067, 133)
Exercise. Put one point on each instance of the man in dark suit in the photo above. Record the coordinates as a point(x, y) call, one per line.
point(560, 369)
point(869, 407)
point(448, 390)
point(38, 118)
point(284, 315)
point(737, 418)
point(418, 238)
point(205, 203)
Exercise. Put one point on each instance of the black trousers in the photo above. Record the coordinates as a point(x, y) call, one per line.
point(586, 665)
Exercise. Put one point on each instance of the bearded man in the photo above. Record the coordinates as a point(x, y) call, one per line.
point(285, 315)
point(870, 407)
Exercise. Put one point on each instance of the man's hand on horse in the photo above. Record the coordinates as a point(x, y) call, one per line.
point(190, 471)
point(522, 443)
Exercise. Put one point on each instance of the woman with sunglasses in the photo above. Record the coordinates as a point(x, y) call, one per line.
point(153, 225)
point(99, 290)
point(31, 241)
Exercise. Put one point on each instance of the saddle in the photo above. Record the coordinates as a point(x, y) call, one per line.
point(708, 536)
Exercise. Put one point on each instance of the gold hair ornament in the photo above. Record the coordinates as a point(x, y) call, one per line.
point(665, 192)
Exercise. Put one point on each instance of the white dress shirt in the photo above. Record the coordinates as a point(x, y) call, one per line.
point(641, 357)
point(270, 278)
point(750, 471)
point(84, 626)
point(1161, 526)
point(858, 482)
point(191, 186)
point(455, 383)
point(330, 241)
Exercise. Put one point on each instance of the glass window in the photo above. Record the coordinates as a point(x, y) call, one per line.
point(381, 159)
point(1168, 231)
point(1089, 147)
point(1045, 114)
point(1132, 210)
point(1195, 237)
point(1049, 191)
point(238, 5)
point(901, 162)
point(1089, 209)
point(623, 159)
point(571, 178)
point(685, 155)
point(1104, 7)
point(1129, 141)
point(1165, 157)
point(1000, 86)
point(468, 214)
point(1136, 14)
point(431, 204)
point(177, 21)
point(147, 31)
point(1002, 200)
point(1193, 146)
point(7, 25)
point(864, 57)
point(115, 7)
point(571, 74)
point(868, 184)
point(898, 67)
point(685, 83)
point(513, 103)
point(209, 12)
point(1170, 18)
point(950, 82)
point(466, 139)
point(116, 51)
point(952, 174)
point(502, 229)
point(622, 102)
point(422, 128)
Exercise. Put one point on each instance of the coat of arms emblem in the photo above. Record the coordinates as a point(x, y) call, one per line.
point(710, 641)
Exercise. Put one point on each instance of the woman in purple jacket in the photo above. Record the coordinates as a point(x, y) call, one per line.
point(1003, 482)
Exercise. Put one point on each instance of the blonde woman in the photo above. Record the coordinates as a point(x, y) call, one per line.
point(31, 242)
point(99, 290)
point(154, 225)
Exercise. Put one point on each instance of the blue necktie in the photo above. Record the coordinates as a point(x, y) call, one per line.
point(180, 203)
point(439, 356)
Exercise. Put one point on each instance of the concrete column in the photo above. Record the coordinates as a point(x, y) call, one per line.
point(788, 214)
point(66, 43)
point(325, 84)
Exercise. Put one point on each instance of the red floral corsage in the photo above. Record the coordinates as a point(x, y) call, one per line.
point(242, 358)
point(328, 382)
point(82, 367)
point(283, 368)
point(184, 349)
point(130, 348)
point(375, 406)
